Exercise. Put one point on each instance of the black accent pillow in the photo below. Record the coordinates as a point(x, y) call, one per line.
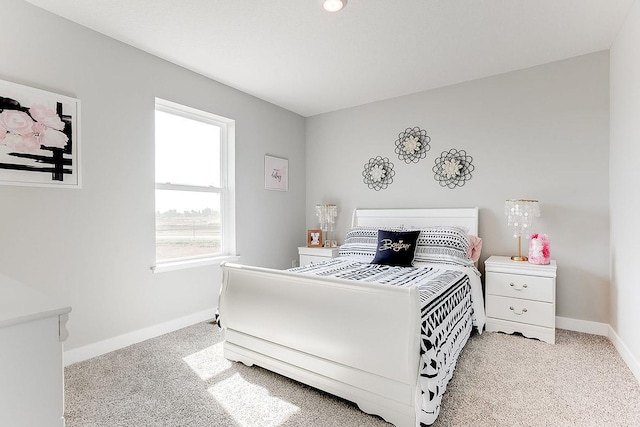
point(396, 248)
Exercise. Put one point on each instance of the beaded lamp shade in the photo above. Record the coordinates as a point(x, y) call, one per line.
point(520, 214)
point(327, 214)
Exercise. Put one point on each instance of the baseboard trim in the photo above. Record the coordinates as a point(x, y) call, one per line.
point(586, 326)
point(102, 347)
point(625, 353)
point(603, 329)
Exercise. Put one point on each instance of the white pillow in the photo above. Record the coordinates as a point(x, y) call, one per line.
point(444, 244)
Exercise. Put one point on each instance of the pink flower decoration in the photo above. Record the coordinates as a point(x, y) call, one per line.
point(46, 116)
point(539, 252)
point(16, 122)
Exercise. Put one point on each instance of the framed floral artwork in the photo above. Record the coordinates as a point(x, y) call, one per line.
point(276, 173)
point(39, 137)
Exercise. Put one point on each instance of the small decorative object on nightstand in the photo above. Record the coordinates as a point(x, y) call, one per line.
point(315, 255)
point(521, 297)
point(539, 252)
point(314, 238)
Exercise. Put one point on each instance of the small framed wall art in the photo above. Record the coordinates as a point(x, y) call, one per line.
point(314, 238)
point(39, 137)
point(276, 173)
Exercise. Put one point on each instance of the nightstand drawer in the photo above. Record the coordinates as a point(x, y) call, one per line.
point(316, 255)
point(521, 286)
point(519, 310)
point(312, 259)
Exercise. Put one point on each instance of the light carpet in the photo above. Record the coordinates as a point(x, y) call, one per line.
point(181, 379)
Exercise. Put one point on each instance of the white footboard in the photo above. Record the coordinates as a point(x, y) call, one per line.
point(357, 340)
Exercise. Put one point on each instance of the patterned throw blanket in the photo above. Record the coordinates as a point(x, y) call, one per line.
point(447, 318)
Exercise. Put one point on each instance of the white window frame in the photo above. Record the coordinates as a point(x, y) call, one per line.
point(226, 189)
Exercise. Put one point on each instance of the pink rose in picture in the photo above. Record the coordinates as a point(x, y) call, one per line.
point(46, 116)
point(52, 138)
point(16, 122)
point(22, 144)
point(28, 137)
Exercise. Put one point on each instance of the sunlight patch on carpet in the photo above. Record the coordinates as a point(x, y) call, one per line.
point(208, 363)
point(251, 405)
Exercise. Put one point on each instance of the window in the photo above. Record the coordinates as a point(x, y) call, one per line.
point(194, 184)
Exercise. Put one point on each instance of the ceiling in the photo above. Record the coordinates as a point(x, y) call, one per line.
point(294, 54)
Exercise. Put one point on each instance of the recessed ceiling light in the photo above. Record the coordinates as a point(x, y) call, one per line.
point(333, 5)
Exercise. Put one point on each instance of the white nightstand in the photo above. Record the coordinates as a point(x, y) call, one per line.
point(521, 297)
point(313, 255)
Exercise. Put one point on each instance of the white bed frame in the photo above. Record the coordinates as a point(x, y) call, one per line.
point(356, 340)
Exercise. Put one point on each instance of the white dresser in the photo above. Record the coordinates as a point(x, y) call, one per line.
point(521, 297)
point(32, 329)
point(314, 255)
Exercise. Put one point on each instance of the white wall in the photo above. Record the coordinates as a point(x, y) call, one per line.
point(624, 182)
point(93, 247)
point(539, 133)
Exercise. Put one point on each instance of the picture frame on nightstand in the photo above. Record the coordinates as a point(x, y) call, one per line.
point(314, 238)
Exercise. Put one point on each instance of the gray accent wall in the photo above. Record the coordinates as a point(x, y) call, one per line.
point(540, 133)
point(625, 179)
point(93, 247)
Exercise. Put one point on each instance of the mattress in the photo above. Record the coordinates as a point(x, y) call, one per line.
point(451, 304)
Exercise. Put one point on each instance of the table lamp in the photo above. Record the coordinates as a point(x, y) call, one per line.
point(520, 213)
point(327, 214)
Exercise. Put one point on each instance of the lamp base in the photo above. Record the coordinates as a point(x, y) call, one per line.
point(519, 257)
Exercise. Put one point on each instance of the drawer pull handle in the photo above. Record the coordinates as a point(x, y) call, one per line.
point(515, 288)
point(524, 310)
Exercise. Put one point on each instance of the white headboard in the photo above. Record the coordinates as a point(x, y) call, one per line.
point(417, 218)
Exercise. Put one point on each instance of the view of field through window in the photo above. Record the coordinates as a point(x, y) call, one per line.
point(187, 229)
point(188, 193)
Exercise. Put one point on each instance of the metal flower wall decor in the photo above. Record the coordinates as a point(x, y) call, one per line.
point(412, 145)
point(453, 168)
point(378, 173)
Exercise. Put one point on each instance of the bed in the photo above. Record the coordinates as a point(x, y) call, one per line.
point(389, 349)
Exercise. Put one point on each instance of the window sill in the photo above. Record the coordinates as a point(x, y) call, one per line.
point(191, 263)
